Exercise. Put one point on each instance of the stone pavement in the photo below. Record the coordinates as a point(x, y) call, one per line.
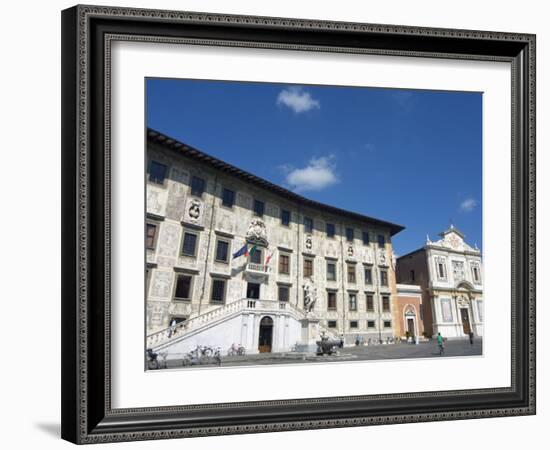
point(429, 349)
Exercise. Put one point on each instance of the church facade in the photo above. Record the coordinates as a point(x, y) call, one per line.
point(450, 275)
point(234, 259)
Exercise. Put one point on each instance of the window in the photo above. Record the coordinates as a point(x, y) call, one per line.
point(331, 230)
point(370, 303)
point(475, 270)
point(441, 268)
point(222, 251)
point(151, 235)
point(383, 277)
point(284, 264)
point(353, 324)
point(259, 208)
point(157, 172)
point(308, 225)
point(412, 275)
point(183, 287)
point(285, 217)
point(370, 324)
point(385, 303)
point(349, 234)
point(352, 302)
point(284, 293)
point(331, 300)
point(256, 257)
point(228, 198)
point(218, 291)
point(387, 323)
point(308, 267)
point(147, 281)
point(331, 271)
point(351, 273)
point(189, 244)
point(366, 240)
point(331, 323)
point(197, 186)
point(368, 275)
point(381, 241)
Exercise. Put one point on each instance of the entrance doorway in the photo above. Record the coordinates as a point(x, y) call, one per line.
point(465, 320)
point(410, 326)
point(266, 335)
point(253, 291)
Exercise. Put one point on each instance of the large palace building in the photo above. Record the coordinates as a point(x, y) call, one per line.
point(234, 259)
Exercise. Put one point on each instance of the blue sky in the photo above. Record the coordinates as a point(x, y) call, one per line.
point(411, 157)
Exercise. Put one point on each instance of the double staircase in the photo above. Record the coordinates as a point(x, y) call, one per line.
point(169, 336)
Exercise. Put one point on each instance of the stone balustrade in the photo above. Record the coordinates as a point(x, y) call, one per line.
point(267, 306)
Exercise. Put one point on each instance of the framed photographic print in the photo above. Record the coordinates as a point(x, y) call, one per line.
point(281, 224)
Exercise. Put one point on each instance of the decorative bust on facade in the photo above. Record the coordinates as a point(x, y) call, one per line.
point(193, 211)
point(257, 233)
point(309, 242)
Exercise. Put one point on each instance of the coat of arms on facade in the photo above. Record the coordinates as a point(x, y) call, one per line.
point(351, 252)
point(458, 270)
point(193, 212)
point(462, 301)
point(256, 233)
point(310, 297)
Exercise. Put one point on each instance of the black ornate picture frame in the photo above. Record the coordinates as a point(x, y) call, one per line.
point(87, 34)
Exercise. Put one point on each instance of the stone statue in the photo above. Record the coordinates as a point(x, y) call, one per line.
point(310, 297)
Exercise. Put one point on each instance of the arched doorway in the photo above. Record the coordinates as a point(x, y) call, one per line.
point(464, 304)
point(266, 335)
point(410, 321)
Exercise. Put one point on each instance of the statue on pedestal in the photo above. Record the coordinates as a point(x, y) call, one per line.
point(310, 297)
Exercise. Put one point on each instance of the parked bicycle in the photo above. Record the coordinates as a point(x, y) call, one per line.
point(155, 360)
point(202, 355)
point(236, 350)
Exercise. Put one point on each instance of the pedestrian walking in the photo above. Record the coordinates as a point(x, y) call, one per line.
point(441, 344)
point(172, 328)
point(471, 336)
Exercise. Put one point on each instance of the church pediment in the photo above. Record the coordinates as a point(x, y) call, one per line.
point(452, 239)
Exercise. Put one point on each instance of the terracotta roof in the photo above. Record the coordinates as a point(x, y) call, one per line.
point(190, 152)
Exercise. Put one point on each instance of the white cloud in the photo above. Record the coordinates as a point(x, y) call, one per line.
point(297, 99)
point(317, 175)
point(468, 205)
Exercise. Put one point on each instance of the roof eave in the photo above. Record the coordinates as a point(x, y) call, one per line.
point(191, 152)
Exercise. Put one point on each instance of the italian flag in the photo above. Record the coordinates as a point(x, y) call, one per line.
point(250, 252)
point(269, 258)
